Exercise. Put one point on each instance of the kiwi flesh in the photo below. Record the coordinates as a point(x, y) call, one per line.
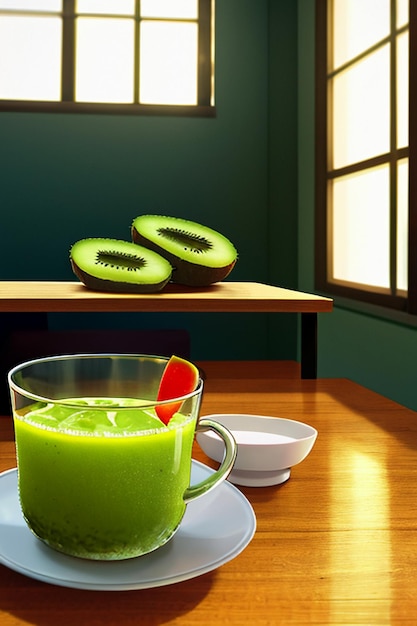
point(118, 266)
point(198, 254)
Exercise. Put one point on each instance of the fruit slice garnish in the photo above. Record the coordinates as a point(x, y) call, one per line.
point(179, 378)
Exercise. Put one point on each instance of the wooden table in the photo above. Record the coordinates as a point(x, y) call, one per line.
point(224, 297)
point(336, 544)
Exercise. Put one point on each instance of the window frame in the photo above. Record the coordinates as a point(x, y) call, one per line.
point(406, 303)
point(204, 108)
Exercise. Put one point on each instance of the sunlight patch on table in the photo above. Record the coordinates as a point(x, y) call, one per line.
point(360, 519)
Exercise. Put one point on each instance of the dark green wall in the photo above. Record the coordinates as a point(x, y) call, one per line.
point(65, 177)
point(374, 352)
point(282, 166)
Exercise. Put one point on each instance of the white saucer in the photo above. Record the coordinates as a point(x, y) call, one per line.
point(214, 530)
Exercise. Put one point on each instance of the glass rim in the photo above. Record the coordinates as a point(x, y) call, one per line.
point(97, 355)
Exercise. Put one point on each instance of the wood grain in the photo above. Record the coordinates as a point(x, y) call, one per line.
point(336, 544)
point(224, 297)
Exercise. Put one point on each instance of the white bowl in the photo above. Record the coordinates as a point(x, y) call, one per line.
point(267, 447)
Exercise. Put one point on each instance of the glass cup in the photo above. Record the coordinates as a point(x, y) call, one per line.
point(99, 475)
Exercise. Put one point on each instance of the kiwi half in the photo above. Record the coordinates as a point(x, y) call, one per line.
point(116, 265)
point(199, 255)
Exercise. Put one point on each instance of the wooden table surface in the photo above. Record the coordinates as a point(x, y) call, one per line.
point(336, 544)
point(224, 297)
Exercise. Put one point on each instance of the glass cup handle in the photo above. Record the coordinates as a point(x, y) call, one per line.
point(195, 491)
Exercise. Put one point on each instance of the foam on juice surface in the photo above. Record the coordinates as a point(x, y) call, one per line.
point(84, 415)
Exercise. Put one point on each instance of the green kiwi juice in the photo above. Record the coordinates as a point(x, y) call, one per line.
point(102, 484)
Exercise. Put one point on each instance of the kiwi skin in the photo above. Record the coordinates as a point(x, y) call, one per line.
point(97, 283)
point(185, 272)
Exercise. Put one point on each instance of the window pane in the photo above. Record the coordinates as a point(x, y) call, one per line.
point(168, 66)
point(169, 8)
point(402, 225)
point(30, 5)
point(361, 110)
point(104, 60)
point(402, 13)
point(402, 90)
point(361, 220)
point(112, 7)
point(30, 58)
point(358, 24)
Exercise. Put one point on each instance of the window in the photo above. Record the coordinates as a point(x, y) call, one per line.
point(107, 55)
point(366, 234)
